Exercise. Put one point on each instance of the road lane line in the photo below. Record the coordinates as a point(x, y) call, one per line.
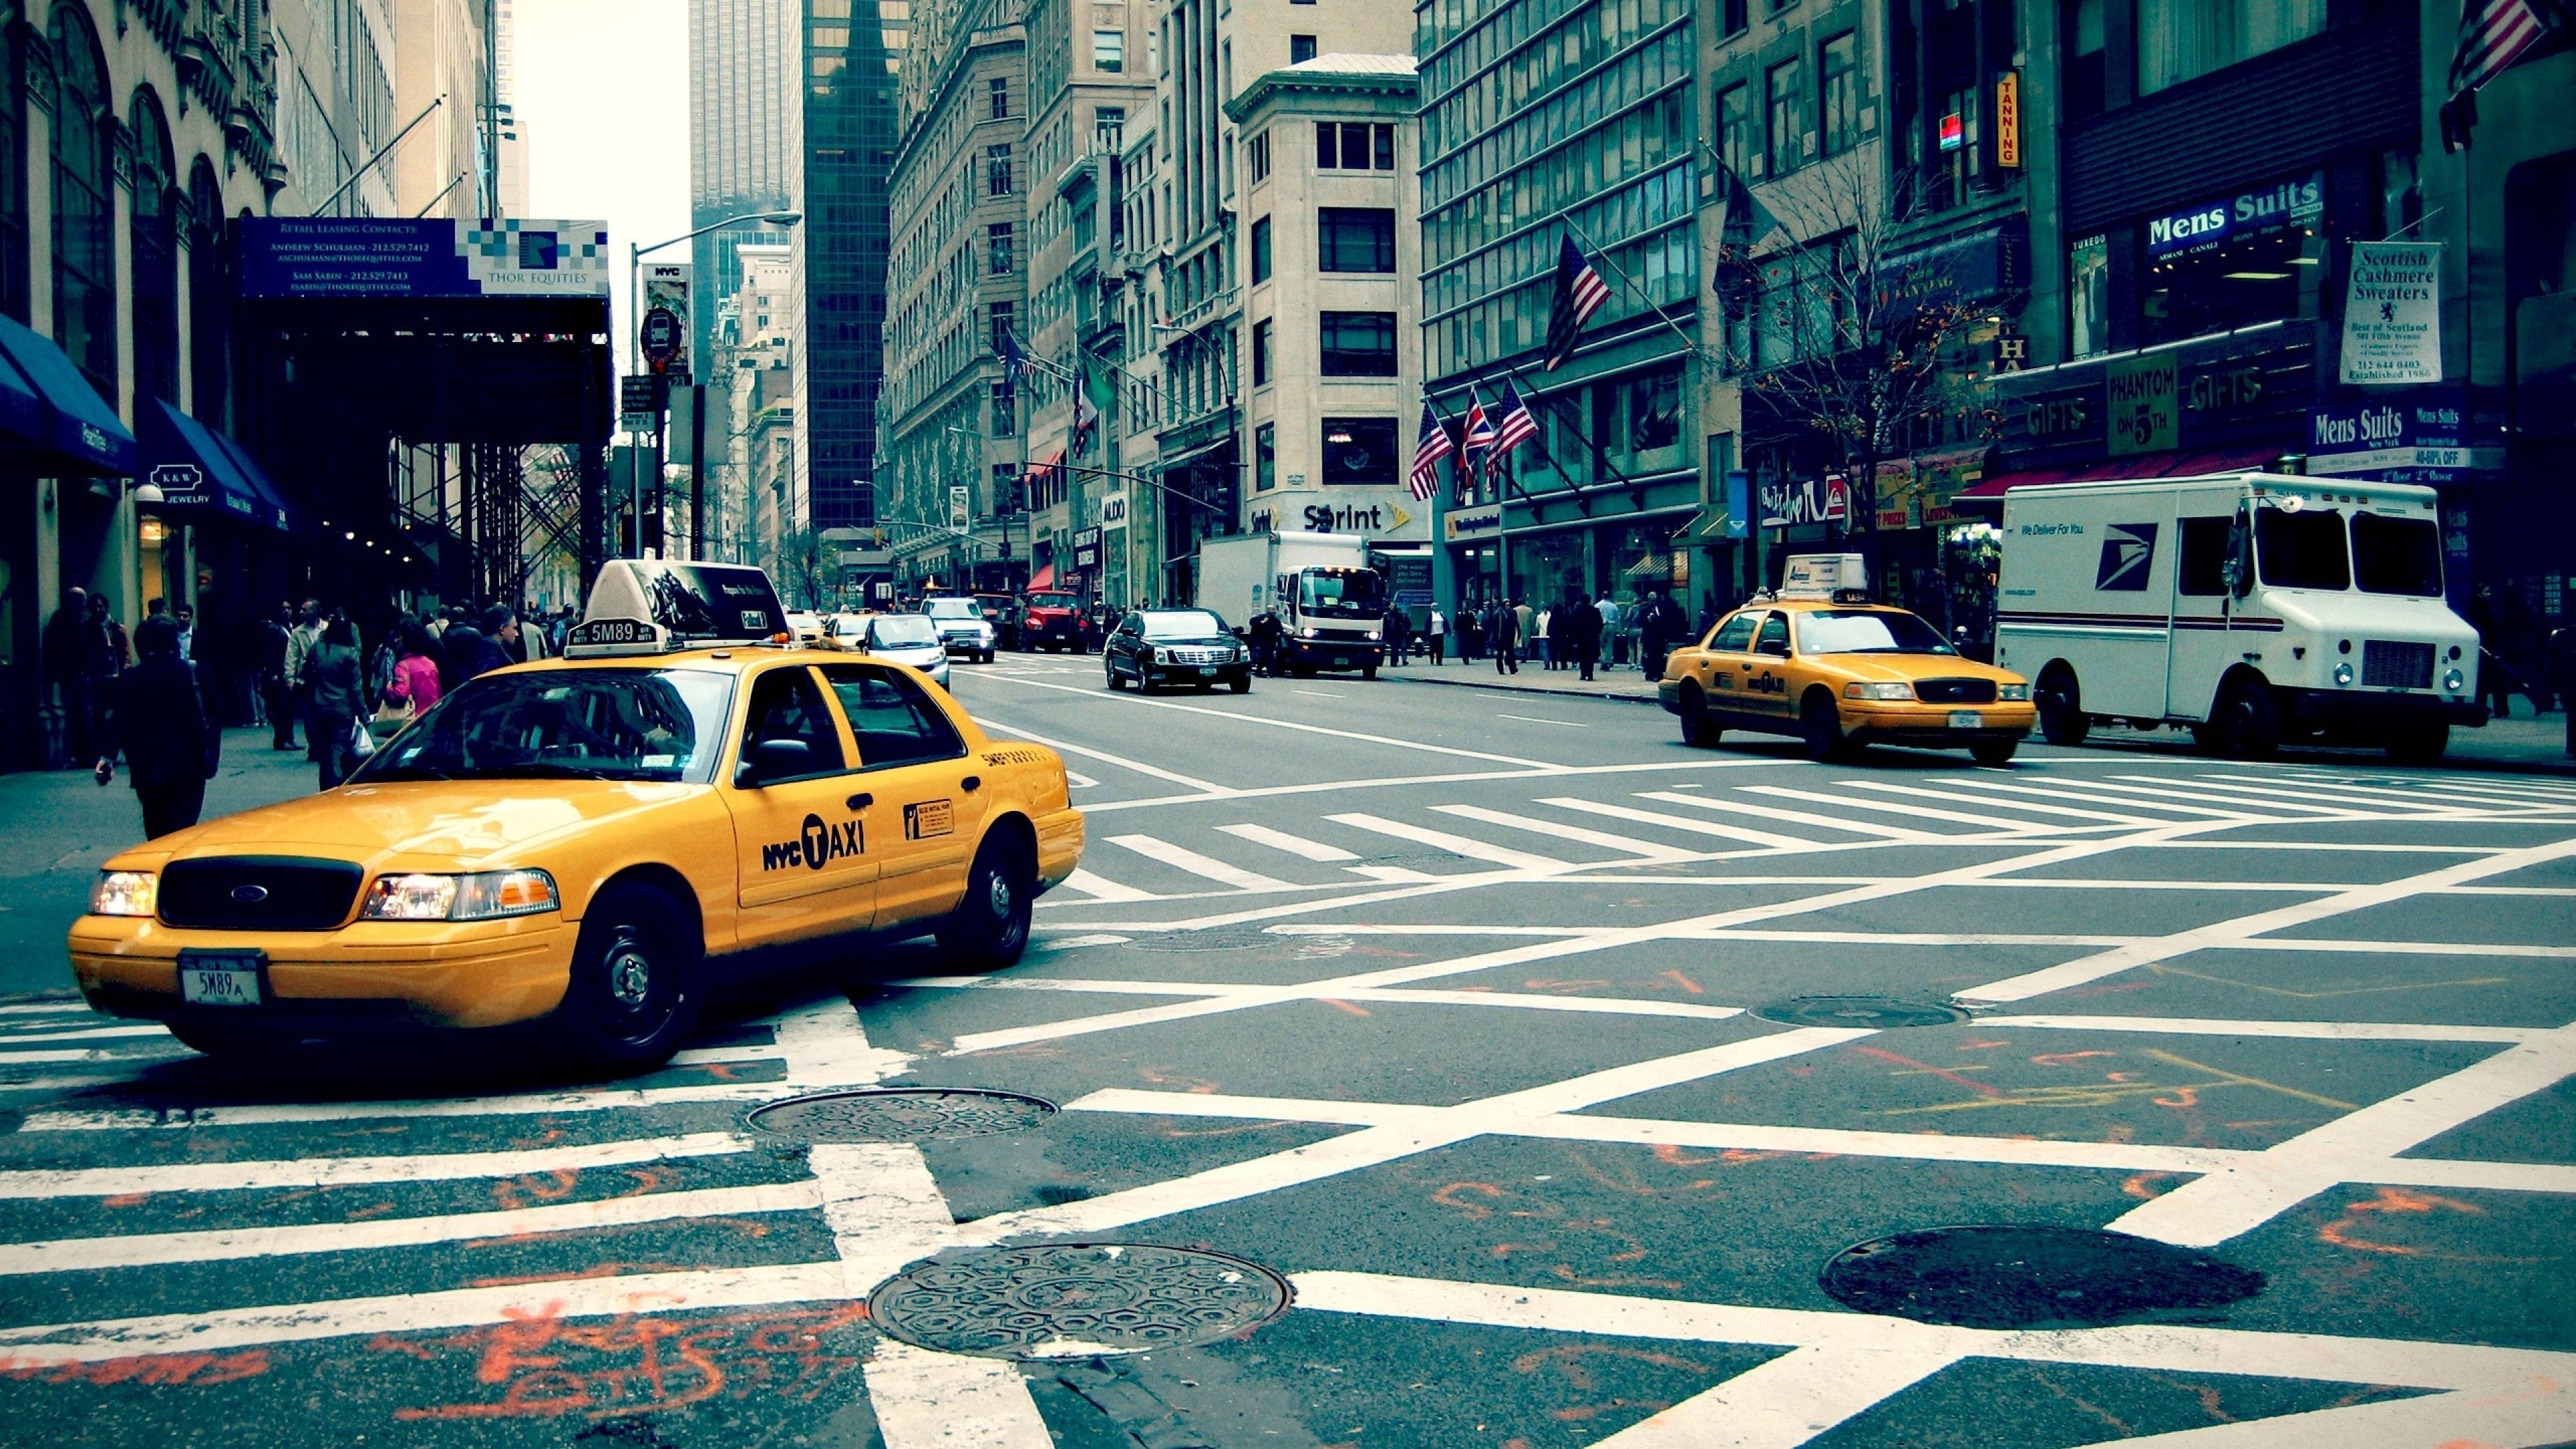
point(922, 1398)
point(2032, 808)
point(1297, 726)
point(1982, 783)
point(89, 1034)
point(1454, 844)
point(1676, 822)
point(1296, 845)
point(140, 1250)
point(1087, 883)
point(1927, 812)
point(1203, 866)
point(1393, 874)
point(1391, 782)
point(2314, 1030)
point(2363, 794)
point(1790, 1399)
point(1208, 787)
point(1534, 719)
point(1731, 806)
point(1390, 995)
point(144, 1057)
point(314, 1172)
point(1622, 844)
point(2258, 808)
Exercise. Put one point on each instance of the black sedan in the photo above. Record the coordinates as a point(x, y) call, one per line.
point(1156, 647)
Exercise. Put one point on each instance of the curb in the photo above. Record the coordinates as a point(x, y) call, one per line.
point(1505, 688)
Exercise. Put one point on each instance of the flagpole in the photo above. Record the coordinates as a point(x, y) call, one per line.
point(1652, 306)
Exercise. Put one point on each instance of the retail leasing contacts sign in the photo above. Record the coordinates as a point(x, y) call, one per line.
point(2392, 314)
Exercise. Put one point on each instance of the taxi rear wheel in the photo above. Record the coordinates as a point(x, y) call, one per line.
point(1697, 729)
point(634, 996)
point(990, 927)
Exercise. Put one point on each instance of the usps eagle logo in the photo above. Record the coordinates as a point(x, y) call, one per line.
point(2128, 555)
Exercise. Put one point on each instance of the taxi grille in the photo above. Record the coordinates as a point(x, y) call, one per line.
point(1955, 691)
point(2389, 664)
point(258, 893)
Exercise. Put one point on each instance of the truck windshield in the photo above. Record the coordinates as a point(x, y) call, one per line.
point(1341, 593)
point(1858, 631)
point(951, 609)
point(2396, 555)
point(1054, 601)
point(2302, 550)
point(565, 724)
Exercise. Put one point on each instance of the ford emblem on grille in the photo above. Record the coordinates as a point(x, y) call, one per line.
point(250, 895)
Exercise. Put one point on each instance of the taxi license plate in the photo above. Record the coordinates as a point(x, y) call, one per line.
point(1206, 672)
point(1965, 719)
point(219, 980)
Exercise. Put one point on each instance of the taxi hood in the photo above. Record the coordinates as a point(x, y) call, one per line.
point(1890, 668)
point(469, 822)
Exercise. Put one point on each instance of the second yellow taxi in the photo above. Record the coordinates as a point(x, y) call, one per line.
point(1822, 663)
point(594, 843)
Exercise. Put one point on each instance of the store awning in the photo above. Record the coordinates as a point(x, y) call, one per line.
point(1046, 465)
point(198, 476)
point(75, 428)
point(1043, 579)
point(281, 516)
point(1990, 492)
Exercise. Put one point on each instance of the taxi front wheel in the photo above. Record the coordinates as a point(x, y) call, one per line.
point(990, 927)
point(634, 995)
point(1822, 728)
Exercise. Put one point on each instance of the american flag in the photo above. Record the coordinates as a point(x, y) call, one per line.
point(1477, 442)
point(2493, 34)
point(1428, 450)
point(1517, 426)
point(1015, 360)
point(1579, 293)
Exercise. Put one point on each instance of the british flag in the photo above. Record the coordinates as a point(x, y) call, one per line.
point(1476, 443)
point(1428, 450)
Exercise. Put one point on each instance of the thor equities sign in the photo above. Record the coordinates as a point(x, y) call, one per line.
point(358, 256)
point(2392, 314)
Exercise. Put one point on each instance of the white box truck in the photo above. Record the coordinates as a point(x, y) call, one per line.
point(1331, 604)
point(2254, 609)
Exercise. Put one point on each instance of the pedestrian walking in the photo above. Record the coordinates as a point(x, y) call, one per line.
point(1608, 608)
point(1399, 634)
point(1438, 633)
point(304, 630)
point(1585, 622)
point(1471, 635)
point(1657, 622)
point(156, 720)
point(1540, 644)
point(335, 689)
point(1266, 633)
point(67, 672)
point(1506, 639)
point(1523, 616)
point(276, 686)
point(102, 658)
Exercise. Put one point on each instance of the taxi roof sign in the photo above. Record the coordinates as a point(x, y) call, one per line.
point(1834, 576)
point(649, 606)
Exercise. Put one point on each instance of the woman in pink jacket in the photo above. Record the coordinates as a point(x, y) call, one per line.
point(415, 680)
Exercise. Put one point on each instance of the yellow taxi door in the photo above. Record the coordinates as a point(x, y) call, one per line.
point(805, 862)
point(1724, 667)
point(1767, 692)
point(923, 792)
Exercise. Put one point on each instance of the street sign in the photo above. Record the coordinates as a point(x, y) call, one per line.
point(636, 396)
point(663, 337)
point(663, 327)
point(961, 507)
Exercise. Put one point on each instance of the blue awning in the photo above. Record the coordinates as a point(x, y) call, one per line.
point(277, 514)
point(197, 476)
point(76, 429)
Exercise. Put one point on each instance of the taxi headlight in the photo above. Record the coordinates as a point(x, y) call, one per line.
point(2013, 693)
point(1896, 689)
point(124, 893)
point(486, 896)
point(2343, 675)
point(2453, 680)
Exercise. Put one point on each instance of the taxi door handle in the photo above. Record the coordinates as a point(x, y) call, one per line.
point(862, 802)
point(972, 783)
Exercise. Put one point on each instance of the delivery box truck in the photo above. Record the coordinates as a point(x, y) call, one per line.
point(1331, 604)
point(2254, 609)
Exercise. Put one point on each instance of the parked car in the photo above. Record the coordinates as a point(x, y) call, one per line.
point(961, 625)
point(1157, 647)
point(804, 625)
point(902, 638)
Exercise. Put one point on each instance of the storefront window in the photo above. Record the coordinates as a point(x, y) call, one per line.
point(2231, 262)
point(1359, 451)
point(2088, 297)
point(1265, 458)
point(2181, 39)
point(1655, 418)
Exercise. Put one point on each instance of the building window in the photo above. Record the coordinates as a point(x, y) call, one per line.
point(1735, 127)
point(1001, 92)
point(1356, 239)
point(1109, 130)
point(84, 209)
point(997, 170)
point(209, 340)
point(998, 247)
point(1301, 49)
point(1354, 146)
point(1260, 250)
point(1786, 138)
point(1109, 50)
point(2213, 267)
point(1956, 135)
point(153, 236)
point(1654, 407)
point(1265, 458)
point(1838, 95)
point(14, 298)
point(1086, 224)
point(2181, 39)
point(2088, 297)
point(1002, 320)
point(1261, 352)
point(1006, 408)
point(1359, 344)
point(2087, 68)
point(1359, 452)
point(1732, 18)
point(1258, 151)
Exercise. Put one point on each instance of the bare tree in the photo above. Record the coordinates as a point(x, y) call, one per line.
point(1836, 338)
point(808, 567)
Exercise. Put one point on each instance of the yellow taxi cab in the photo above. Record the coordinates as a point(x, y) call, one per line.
point(591, 842)
point(1821, 662)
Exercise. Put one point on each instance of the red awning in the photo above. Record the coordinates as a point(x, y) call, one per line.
point(1043, 579)
point(1046, 465)
point(2148, 465)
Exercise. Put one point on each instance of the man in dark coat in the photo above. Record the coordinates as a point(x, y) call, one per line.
point(157, 721)
point(1657, 622)
point(1584, 624)
point(67, 654)
point(467, 651)
point(276, 691)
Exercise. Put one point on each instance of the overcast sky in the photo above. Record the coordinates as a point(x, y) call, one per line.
point(604, 89)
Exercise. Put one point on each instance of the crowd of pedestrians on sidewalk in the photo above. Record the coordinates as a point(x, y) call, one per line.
point(1574, 633)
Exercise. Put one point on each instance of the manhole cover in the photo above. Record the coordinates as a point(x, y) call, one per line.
point(1994, 1276)
point(900, 1114)
point(1204, 941)
point(1072, 1300)
point(1868, 1011)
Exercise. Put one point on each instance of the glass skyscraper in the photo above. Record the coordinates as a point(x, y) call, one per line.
point(745, 57)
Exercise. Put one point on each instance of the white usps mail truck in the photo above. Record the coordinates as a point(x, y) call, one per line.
point(2253, 608)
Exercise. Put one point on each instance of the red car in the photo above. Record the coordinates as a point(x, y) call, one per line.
point(1051, 621)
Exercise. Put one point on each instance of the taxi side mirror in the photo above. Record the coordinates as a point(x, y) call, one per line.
point(778, 760)
point(1776, 648)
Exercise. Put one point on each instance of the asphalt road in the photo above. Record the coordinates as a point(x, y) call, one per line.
point(1436, 1004)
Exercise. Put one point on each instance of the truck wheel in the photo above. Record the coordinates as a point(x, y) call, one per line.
point(2062, 720)
point(2419, 744)
point(1993, 754)
point(990, 927)
point(2247, 724)
point(1822, 727)
point(634, 995)
point(1697, 730)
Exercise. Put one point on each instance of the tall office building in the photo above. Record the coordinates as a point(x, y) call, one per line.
point(745, 57)
point(853, 56)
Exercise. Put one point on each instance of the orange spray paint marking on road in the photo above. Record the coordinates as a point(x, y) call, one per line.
point(1542, 984)
point(2340, 1232)
point(1342, 1005)
point(1971, 1083)
point(126, 1200)
point(2182, 1097)
point(1670, 1155)
point(1685, 983)
point(2059, 1059)
point(2142, 1186)
point(1447, 1197)
point(160, 1370)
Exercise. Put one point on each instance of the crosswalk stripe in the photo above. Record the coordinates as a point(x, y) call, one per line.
point(1676, 822)
point(2482, 793)
point(2034, 809)
point(94, 1033)
point(1732, 806)
point(138, 1250)
point(2303, 796)
point(88, 1054)
point(1926, 812)
point(1454, 844)
point(2093, 799)
point(1204, 866)
point(1296, 845)
point(2208, 804)
point(1623, 844)
point(1100, 889)
point(1392, 874)
point(2192, 787)
point(346, 1171)
point(46, 1008)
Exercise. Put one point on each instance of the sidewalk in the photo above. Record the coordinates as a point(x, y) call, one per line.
point(2521, 744)
point(57, 826)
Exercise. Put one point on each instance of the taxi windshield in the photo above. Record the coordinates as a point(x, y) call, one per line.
point(1866, 631)
point(901, 631)
point(566, 724)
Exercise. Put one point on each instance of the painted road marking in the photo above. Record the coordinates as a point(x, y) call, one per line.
point(1980, 782)
point(1454, 844)
point(1676, 822)
point(94, 1033)
point(1205, 867)
point(1732, 806)
point(1296, 845)
point(2031, 808)
point(1602, 839)
point(1418, 746)
point(1091, 884)
point(311, 1172)
point(1392, 873)
point(1996, 823)
point(1534, 719)
point(1121, 761)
